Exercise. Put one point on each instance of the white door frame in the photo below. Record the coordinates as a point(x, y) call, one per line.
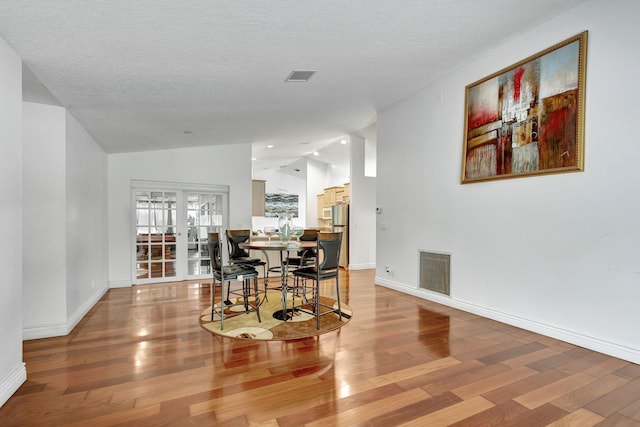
point(181, 232)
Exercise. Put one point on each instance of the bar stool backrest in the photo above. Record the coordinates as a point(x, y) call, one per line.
point(215, 252)
point(329, 244)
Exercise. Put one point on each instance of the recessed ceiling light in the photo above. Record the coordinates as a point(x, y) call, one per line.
point(270, 146)
point(315, 153)
point(343, 141)
point(300, 76)
point(254, 159)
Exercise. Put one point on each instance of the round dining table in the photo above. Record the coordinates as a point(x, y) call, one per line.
point(282, 247)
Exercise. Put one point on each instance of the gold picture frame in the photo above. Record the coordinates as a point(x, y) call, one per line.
point(528, 119)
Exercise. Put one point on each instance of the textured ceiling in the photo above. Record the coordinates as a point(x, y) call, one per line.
point(140, 74)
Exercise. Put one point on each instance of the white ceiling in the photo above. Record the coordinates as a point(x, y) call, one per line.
point(155, 74)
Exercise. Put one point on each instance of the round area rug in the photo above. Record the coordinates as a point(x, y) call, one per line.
point(301, 324)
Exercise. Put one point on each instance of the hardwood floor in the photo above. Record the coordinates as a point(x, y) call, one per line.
point(140, 358)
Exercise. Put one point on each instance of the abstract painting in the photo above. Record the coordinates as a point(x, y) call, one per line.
point(276, 204)
point(528, 119)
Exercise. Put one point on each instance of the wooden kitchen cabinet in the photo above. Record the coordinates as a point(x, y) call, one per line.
point(330, 195)
point(320, 204)
point(346, 197)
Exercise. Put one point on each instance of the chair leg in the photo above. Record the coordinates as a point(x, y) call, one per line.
point(227, 301)
point(223, 303)
point(265, 278)
point(256, 300)
point(296, 289)
point(303, 286)
point(316, 298)
point(213, 298)
point(245, 294)
point(338, 298)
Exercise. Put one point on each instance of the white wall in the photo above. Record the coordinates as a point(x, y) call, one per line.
point(557, 254)
point(86, 221)
point(216, 164)
point(64, 221)
point(362, 216)
point(12, 369)
point(370, 136)
point(338, 175)
point(370, 160)
point(317, 179)
point(44, 219)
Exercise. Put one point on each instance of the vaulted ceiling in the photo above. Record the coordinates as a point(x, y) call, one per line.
point(156, 74)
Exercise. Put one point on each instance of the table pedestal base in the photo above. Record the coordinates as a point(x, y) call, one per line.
point(281, 316)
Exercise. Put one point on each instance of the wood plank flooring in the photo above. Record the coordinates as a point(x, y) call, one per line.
point(140, 358)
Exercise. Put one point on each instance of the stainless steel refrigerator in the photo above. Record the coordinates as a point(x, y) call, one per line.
point(340, 222)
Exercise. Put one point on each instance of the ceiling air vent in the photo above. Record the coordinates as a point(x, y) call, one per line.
point(300, 76)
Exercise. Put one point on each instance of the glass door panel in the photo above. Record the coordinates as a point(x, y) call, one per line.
point(204, 215)
point(156, 249)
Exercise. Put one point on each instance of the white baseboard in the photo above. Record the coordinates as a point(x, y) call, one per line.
point(572, 337)
point(12, 382)
point(120, 284)
point(32, 332)
point(364, 266)
point(84, 308)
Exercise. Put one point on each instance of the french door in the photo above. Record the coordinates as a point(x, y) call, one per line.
point(204, 215)
point(171, 227)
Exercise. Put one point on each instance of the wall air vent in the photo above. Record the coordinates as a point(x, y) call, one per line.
point(300, 76)
point(435, 271)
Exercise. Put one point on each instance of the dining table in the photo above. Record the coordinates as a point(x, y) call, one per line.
point(283, 247)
